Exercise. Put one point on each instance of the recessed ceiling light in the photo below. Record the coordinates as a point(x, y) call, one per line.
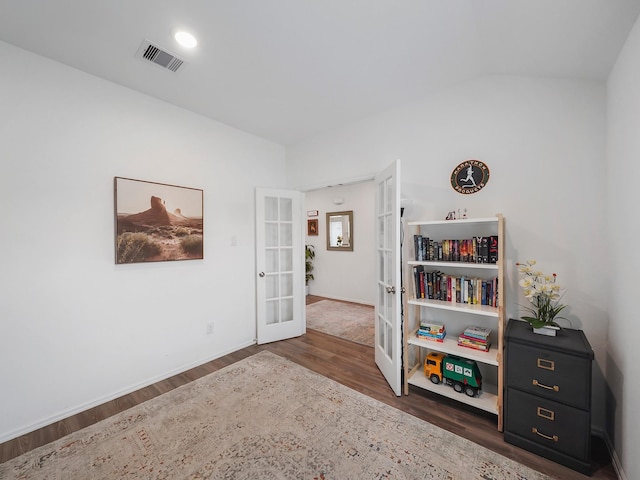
point(186, 39)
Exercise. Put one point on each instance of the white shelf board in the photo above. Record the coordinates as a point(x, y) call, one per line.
point(462, 221)
point(450, 346)
point(487, 400)
point(485, 310)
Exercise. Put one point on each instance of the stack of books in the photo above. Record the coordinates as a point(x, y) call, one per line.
point(431, 331)
point(476, 337)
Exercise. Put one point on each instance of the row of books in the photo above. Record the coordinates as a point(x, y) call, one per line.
point(471, 250)
point(437, 285)
point(478, 338)
point(431, 331)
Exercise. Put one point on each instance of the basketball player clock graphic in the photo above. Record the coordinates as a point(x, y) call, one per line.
point(470, 176)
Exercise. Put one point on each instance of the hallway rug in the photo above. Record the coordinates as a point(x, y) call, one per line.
point(350, 321)
point(263, 418)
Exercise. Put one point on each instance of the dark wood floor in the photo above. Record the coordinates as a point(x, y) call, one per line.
point(352, 365)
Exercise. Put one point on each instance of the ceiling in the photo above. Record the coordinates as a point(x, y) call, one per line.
point(288, 69)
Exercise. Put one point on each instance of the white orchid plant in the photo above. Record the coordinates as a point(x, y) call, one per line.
point(544, 294)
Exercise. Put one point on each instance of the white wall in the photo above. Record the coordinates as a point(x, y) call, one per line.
point(345, 275)
point(76, 329)
point(544, 142)
point(623, 168)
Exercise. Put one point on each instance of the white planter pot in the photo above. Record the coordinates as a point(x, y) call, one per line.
point(547, 330)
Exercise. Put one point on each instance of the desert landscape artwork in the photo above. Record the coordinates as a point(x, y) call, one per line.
point(156, 222)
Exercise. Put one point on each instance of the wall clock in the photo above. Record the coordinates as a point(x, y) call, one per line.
point(470, 176)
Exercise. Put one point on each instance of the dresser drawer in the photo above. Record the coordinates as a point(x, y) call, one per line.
point(553, 425)
point(550, 374)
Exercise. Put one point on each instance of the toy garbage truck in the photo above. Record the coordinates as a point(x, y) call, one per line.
point(461, 374)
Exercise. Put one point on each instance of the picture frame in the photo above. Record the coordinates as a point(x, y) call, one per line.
point(312, 227)
point(339, 228)
point(157, 222)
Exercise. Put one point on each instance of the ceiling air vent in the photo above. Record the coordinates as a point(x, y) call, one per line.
point(159, 56)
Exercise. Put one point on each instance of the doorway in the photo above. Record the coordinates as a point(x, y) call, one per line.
point(344, 281)
point(346, 320)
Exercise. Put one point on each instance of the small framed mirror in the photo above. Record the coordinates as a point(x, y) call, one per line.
point(340, 231)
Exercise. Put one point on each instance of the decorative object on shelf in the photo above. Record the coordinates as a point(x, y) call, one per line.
point(457, 372)
point(452, 215)
point(312, 227)
point(469, 177)
point(309, 255)
point(544, 294)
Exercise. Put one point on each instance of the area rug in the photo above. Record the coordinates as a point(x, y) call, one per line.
point(263, 418)
point(350, 321)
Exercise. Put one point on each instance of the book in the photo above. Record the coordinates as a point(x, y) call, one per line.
point(426, 335)
point(417, 270)
point(475, 331)
point(475, 341)
point(431, 327)
point(484, 250)
point(417, 247)
point(483, 348)
point(493, 249)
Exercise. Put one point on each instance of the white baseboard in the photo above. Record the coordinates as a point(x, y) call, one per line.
point(615, 460)
point(350, 300)
point(5, 437)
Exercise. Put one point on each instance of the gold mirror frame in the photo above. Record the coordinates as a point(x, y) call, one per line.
point(345, 220)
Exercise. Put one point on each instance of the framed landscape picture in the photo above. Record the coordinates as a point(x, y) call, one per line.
point(156, 222)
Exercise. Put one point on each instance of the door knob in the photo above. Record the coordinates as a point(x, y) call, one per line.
point(261, 274)
point(391, 289)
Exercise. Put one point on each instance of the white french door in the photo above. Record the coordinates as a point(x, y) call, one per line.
point(388, 331)
point(279, 265)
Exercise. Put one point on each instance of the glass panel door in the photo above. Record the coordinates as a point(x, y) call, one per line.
point(388, 351)
point(280, 265)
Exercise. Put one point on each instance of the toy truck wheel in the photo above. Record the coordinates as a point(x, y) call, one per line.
point(458, 387)
point(435, 378)
point(470, 391)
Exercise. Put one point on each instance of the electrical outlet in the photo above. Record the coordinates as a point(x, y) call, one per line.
point(209, 328)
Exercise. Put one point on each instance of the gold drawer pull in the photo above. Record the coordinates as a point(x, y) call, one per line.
point(554, 438)
point(546, 364)
point(547, 414)
point(555, 388)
